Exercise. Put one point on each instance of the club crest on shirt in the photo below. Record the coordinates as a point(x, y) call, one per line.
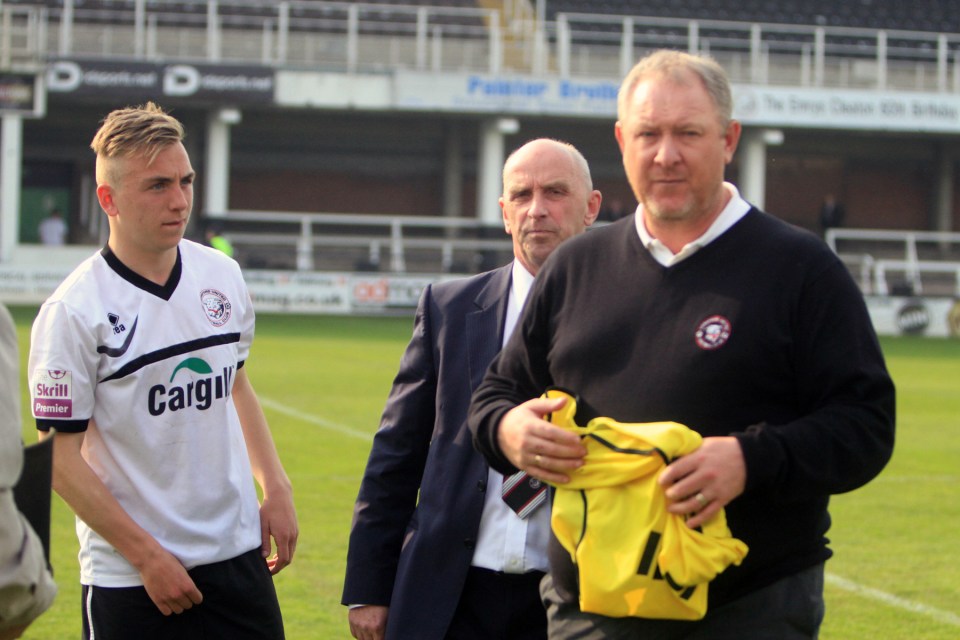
point(712, 333)
point(216, 306)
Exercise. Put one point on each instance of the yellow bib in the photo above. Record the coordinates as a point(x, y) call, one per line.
point(633, 558)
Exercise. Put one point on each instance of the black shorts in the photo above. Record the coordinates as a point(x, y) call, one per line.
point(239, 603)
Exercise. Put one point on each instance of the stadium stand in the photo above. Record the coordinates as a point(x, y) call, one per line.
point(922, 15)
point(333, 158)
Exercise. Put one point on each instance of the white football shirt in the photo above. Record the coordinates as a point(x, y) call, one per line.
point(147, 371)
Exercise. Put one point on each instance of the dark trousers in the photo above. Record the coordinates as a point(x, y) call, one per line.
point(499, 606)
point(239, 603)
point(790, 609)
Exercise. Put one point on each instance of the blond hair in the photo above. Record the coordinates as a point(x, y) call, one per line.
point(672, 64)
point(143, 130)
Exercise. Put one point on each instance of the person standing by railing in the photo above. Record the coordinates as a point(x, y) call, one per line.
point(702, 310)
point(137, 360)
point(435, 551)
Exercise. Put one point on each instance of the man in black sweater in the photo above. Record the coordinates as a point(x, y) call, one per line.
point(703, 310)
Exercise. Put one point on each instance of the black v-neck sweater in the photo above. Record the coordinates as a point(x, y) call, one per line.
point(762, 334)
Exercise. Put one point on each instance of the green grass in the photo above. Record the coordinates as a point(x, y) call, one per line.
point(324, 380)
point(899, 533)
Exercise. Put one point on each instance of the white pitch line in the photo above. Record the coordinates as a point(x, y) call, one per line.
point(894, 601)
point(312, 419)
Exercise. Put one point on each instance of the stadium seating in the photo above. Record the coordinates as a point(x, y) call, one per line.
point(921, 15)
point(383, 35)
point(305, 16)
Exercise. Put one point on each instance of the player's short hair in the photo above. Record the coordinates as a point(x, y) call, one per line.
point(666, 62)
point(143, 130)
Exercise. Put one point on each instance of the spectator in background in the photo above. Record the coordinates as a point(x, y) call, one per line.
point(218, 241)
point(831, 213)
point(435, 552)
point(613, 211)
point(703, 310)
point(26, 585)
point(53, 230)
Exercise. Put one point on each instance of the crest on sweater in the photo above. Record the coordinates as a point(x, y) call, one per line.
point(712, 333)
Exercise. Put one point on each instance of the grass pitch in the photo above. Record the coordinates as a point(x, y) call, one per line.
point(323, 381)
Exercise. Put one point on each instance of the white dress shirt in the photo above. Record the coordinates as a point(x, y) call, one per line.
point(736, 208)
point(505, 541)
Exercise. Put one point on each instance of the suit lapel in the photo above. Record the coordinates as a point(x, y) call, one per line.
point(485, 324)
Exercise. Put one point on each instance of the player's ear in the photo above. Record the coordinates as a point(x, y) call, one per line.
point(506, 216)
point(105, 197)
point(731, 138)
point(593, 207)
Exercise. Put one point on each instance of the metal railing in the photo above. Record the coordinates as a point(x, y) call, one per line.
point(900, 262)
point(384, 241)
point(757, 53)
point(339, 36)
point(364, 37)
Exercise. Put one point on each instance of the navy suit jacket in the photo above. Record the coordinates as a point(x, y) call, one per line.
point(414, 555)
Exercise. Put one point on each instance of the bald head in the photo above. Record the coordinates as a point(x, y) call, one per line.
point(548, 197)
point(547, 146)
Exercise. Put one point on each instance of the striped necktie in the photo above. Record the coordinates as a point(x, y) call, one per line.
point(523, 493)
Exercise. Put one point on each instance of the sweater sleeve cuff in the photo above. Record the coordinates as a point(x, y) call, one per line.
point(486, 442)
point(758, 469)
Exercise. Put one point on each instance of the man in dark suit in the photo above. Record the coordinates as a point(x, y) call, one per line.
point(458, 563)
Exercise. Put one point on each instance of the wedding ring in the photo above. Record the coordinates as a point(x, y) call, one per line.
point(701, 499)
point(536, 459)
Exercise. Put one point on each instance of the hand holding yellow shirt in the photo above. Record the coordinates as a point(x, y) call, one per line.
point(633, 557)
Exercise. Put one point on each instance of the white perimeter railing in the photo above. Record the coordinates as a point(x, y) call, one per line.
point(900, 262)
point(305, 236)
point(367, 37)
point(326, 35)
point(766, 54)
point(884, 262)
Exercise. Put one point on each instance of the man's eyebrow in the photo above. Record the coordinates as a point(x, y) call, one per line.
point(162, 179)
point(156, 179)
point(559, 183)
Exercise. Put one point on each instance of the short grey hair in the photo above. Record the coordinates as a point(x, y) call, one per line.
point(666, 62)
